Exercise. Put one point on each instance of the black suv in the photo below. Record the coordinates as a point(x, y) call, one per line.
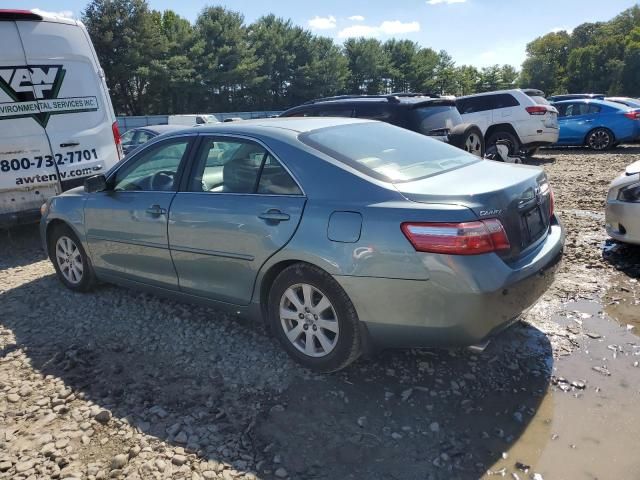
point(428, 114)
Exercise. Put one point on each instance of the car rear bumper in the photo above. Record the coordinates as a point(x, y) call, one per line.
point(622, 221)
point(480, 296)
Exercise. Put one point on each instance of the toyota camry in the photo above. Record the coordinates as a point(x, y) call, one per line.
point(343, 235)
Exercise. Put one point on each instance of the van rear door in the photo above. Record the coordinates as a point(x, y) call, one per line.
point(80, 117)
point(27, 171)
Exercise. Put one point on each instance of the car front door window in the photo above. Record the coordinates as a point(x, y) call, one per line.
point(152, 170)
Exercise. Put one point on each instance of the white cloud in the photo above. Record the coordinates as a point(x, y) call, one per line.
point(357, 18)
point(387, 28)
point(62, 13)
point(358, 31)
point(322, 23)
point(446, 2)
point(396, 26)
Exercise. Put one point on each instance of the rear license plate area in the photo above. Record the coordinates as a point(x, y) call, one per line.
point(533, 225)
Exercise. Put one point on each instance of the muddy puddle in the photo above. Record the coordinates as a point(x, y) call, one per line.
point(588, 423)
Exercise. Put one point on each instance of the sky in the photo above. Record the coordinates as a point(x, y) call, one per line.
point(474, 32)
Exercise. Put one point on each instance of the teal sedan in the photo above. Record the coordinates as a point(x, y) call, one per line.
point(343, 235)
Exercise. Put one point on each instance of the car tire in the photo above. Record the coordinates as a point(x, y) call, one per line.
point(600, 139)
point(514, 143)
point(468, 137)
point(70, 260)
point(314, 319)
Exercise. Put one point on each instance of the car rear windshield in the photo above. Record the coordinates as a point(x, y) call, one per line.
point(387, 152)
point(430, 119)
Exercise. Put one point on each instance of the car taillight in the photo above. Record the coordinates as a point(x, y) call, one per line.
point(537, 110)
point(117, 140)
point(633, 114)
point(465, 238)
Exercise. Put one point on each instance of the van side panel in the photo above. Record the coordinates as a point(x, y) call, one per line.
point(79, 126)
point(27, 168)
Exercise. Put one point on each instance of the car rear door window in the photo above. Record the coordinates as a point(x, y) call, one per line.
point(593, 108)
point(503, 100)
point(234, 165)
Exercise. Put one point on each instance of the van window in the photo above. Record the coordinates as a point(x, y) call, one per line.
point(437, 117)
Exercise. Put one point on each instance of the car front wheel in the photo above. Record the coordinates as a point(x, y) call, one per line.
point(70, 260)
point(314, 319)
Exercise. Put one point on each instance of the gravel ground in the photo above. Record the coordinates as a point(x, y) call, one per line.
point(119, 384)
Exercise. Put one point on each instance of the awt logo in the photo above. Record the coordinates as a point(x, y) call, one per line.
point(33, 92)
point(32, 83)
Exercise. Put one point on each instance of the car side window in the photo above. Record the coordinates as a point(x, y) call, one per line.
point(275, 180)
point(503, 100)
point(373, 112)
point(475, 104)
point(232, 165)
point(594, 108)
point(576, 109)
point(338, 111)
point(143, 137)
point(127, 137)
point(152, 170)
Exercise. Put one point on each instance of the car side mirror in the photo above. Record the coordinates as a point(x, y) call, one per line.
point(95, 183)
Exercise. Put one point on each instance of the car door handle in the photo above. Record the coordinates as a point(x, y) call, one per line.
point(69, 144)
point(588, 121)
point(274, 216)
point(156, 210)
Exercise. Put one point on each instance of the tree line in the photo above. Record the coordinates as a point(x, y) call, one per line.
point(600, 57)
point(159, 63)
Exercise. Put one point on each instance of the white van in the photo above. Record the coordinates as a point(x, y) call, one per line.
point(57, 124)
point(191, 120)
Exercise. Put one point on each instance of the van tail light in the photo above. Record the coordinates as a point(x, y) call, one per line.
point(537, 110)
point(117, 140)
point(552, 203)
point(466, 238)
point(633, 114)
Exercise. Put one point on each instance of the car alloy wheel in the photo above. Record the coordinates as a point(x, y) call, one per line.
point(473, 144)
point(69, 259)
point(309, 320)
point(599, 139)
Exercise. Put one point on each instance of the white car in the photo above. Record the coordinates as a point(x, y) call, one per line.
point(57, 125)
point(523, 119)
point(192, 120)
point(622, 213)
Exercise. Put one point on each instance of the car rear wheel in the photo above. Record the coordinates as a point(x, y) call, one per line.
point(469, 138)
point(314, 319)
point(70, 260)
point(508, 139)
point(600, 139)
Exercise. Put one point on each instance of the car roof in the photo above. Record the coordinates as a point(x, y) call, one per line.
point(526, 91)
point(161, 128)
point(595, 101)
point(291, 124)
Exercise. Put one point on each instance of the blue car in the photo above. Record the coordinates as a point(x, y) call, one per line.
point(596, 124)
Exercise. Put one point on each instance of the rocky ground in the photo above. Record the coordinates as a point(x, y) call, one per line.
point(119, 384)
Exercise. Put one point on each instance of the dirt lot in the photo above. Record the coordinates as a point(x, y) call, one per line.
point(118, 384)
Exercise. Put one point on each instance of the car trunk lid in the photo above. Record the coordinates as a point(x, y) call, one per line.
point(519, 196)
